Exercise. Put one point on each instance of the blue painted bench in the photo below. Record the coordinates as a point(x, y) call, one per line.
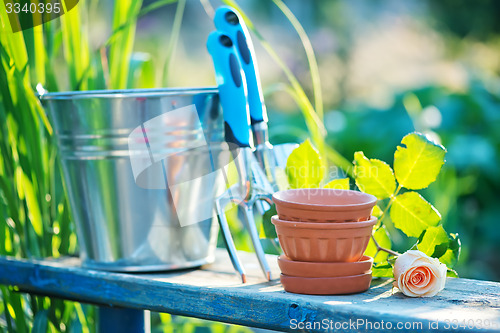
point(215, 293)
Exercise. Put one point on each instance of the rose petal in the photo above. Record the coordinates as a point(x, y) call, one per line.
point(405, 262)
point(421, 290)
point(425, 275)
point(417, 278)
point(403, 288)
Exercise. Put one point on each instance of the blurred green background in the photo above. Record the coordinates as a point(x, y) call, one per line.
point(387, 67)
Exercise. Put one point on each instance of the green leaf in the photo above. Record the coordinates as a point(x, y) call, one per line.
point(383, 269)
point(271, 246)
point(451, 273)
point(450, 257)
point(382, 238)
point(412, 214)
point(338, 184)
point(440, 250)
point(269, 229)
point(304, 167)
point(418, 161)
point(373, 176)
point(377, 212)
point(434, 242)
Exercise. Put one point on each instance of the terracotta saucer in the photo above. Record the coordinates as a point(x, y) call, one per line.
point(323, 205)
point(327, 285)
point(324, 269)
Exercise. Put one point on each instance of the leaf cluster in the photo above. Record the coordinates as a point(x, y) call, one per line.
point(417, 163)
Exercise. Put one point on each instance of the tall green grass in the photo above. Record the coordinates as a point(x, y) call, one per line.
point(33, 207)
point(34, 210)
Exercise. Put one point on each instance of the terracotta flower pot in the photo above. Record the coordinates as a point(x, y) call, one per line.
point(323, 205)
point(327, 285)
point(324, 242)
point(324, 269)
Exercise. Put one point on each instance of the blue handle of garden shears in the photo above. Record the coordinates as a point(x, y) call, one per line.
point(232, 89)
point(228, 21)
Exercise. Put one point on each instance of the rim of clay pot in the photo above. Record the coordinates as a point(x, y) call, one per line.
point(324, 269)
point(295, 198)
point(321, 225)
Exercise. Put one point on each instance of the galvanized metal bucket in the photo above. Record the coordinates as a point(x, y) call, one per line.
point(140, 170)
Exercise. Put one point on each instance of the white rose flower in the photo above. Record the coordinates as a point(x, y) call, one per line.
point(418, 275)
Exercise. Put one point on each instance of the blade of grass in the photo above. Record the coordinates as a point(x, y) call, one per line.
point(4, 20)
point(311, 58)
point(33, 207)
point(18, 85)
point(15, 305)
point(35, 60)
point(209, 9)
point(81, 318)
point(3, 232)
point(40, 54)
point(12, 212)
point(5, 299)
point(53, 41)
point(153, 6)
point(174, 38)
point(132, 20)
point(340, 161)
point(75, 46)
point(141, 71)
point(64, 220)
point(315, 125)
point(13, 43)
point(35, 48)
point(121, 48)
point(310, 120)
point(99, 56)
point(40, 322)
point(313, 120)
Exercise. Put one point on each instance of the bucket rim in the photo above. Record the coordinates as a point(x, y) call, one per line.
point(127, 93)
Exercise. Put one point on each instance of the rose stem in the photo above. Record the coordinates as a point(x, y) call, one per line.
point(380, 248)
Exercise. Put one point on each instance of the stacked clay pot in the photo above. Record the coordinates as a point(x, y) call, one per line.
point(323, 234)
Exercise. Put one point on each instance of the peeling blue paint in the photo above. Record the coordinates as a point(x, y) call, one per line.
point(37, 281)
point(301, 314)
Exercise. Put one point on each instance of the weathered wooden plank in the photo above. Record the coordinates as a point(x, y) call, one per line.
point(215, 293)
